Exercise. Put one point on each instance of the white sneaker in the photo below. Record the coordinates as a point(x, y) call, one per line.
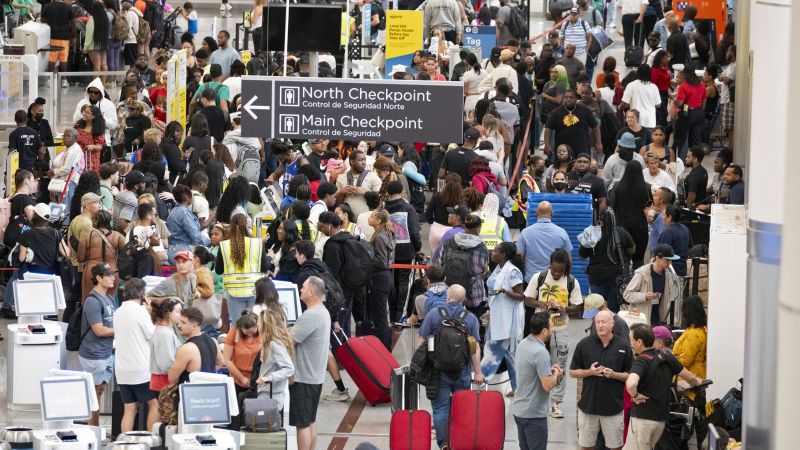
point(613, 25)
point(337, 396)
point(555, 411)
point(64, 83)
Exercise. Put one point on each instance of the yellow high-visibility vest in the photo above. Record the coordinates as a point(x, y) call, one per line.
point(240, 282)
point(492, 233)
point(313, 232)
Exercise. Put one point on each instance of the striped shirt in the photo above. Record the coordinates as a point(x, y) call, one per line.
point(575, 34)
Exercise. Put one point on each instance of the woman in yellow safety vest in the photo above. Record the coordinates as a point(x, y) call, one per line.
point(494, 228)
point(241, 261)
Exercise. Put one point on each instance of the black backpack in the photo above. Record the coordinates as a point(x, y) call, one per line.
point(126, 259)
point(517, 22)
point(450, 343)
point(74, 337)
point(458, 265)
point(334, 296)
point(359, 257)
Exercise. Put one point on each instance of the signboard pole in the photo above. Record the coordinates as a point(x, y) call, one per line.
point(286, 40)
point(346, 66)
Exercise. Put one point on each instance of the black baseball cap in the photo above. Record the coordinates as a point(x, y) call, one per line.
point(387, 150)
point(102, 269)
point(665, 251)
point(460, 210)
point(496, 52)
point(472, 134)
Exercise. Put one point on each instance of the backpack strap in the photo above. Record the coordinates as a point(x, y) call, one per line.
point(540, 281)
point(361, 178)
point(442, 312)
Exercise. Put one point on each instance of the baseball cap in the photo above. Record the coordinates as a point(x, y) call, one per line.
point(183, 254)
point(592, 304)
point(506, 54)
point(662, 332)
point(459, 210)
point(134, 177)
point(496, 52)
point(397, 68)
point(89, 197)
point(583, 155)
point(665, 251)
point(42, 210)
point(313, 141)
point(102, 269)
point(627, 140)
point(573, 11)
point(387, 150)
point(472, 134)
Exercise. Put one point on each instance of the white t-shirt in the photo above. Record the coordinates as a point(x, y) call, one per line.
point(234, 86)
point(555, 291)
point(661, 180)
point(607, 94)
point(725, 90)
point(133, 329)
point(643, 97)
point(631, 6)
point(200, 205)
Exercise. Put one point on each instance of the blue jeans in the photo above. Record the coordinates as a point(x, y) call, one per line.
point(493, 353)
point(238, 304)
point(532, 433)
point(590, 64)
point(441, 404)
point(609, 293)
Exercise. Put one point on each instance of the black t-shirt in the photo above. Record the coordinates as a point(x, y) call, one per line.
point(316, 162)
point(601, 269)
point(218, 123)
point(18, 204)
point(602, 396)
point(134, 129)
point(642, 137)
point(458, 161)
point(44, 243)
point(658, 281)
point(573, 129)
point(589, 183)
point(58, 15)
point(656, 370)
point(541, 72)
point(375, 10)
point(696, 182)
point(25, 140)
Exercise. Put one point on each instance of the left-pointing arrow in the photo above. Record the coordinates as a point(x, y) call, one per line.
point(249, 107)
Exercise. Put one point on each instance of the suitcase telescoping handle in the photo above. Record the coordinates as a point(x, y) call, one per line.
point(336, 335)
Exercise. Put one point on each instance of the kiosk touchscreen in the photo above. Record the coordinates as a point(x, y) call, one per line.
point(65, 399)
point(205, 404)
point(35, 297)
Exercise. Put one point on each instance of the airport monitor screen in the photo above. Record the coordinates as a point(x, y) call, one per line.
point(65, 399)
point(205, 403)
point(320, 27)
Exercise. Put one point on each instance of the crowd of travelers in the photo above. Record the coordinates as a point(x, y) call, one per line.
point(146, 197)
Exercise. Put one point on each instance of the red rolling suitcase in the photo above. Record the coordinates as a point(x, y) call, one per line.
point(410, 430)
point(370, 366)
point(468, 409)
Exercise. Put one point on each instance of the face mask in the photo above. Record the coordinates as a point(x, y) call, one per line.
point(38, 116)
point(560, 186)
point(540, 171)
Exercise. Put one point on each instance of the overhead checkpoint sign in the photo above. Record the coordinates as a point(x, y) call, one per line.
point(381, 110)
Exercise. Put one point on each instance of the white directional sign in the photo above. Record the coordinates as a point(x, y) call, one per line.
point(381, 110)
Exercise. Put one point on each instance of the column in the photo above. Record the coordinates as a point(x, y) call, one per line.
point(770, 25)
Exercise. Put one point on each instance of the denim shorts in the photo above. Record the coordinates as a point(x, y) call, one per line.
point(101, 369)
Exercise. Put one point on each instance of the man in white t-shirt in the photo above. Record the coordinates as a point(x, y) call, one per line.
point(199, 203)
point(133, 329)
point(560, 294)
point(642, 95)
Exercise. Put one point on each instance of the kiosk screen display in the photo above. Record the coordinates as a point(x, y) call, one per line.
point(65, 399)
point(205, 403)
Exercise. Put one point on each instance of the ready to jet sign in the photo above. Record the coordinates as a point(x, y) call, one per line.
point(306, 108)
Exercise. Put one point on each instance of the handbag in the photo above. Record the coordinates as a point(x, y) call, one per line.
point(262, 415)
point(56, 185)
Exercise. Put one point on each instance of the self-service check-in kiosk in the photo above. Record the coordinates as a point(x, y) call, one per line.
point(65, 399)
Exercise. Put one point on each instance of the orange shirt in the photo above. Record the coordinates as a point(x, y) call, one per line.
point(600, 79)
point(244, 352)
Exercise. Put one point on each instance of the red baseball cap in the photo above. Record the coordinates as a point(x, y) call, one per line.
point(183, 254)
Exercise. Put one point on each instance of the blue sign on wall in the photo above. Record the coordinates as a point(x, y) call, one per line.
point(482, 37)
